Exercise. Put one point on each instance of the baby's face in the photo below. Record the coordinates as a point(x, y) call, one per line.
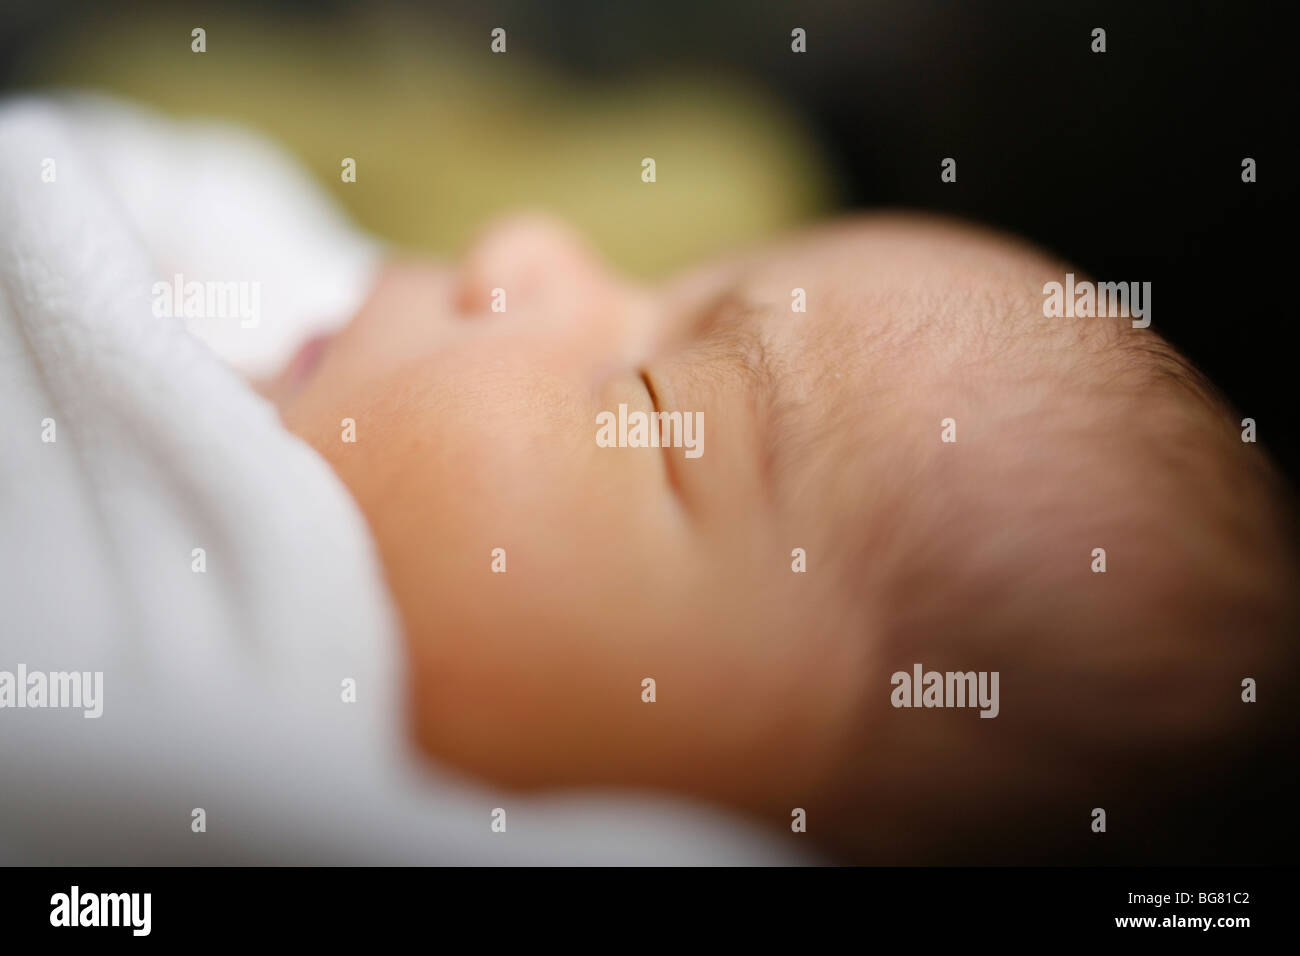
point(810, 535)
point(477, 430)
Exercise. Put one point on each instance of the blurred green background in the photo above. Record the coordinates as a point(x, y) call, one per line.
point(447, 134)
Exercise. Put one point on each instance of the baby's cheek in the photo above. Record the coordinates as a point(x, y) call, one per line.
point(512, 566)
point(525, 664)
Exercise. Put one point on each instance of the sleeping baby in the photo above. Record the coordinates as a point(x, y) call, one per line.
point(919, 501)
point(860, 536)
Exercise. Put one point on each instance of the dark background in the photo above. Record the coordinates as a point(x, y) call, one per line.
point(1126, 163)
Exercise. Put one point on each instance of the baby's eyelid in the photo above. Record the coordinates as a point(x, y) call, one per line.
point(649, 387)
point(670, 465)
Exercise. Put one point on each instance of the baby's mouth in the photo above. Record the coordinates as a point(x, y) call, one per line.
point(305, 361)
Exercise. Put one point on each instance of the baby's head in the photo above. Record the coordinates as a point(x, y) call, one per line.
point(896, 460)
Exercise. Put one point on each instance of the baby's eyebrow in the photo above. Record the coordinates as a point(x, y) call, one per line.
point(729, 334)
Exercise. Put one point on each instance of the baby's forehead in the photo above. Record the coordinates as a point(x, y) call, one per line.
point(900, 268)
point(875, 331)
point(894, 298)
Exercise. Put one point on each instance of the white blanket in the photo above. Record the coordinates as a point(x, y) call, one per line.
point(129, 444)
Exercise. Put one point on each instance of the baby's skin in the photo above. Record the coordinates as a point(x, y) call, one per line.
point(916, 469)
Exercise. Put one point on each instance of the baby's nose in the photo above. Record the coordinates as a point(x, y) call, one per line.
point(537, 265)
point(540, 269)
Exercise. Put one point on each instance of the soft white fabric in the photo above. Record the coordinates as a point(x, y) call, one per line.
point(212, 202)
point(222, 689)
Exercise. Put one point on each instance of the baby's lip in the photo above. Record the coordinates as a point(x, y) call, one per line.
point(306, 360)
